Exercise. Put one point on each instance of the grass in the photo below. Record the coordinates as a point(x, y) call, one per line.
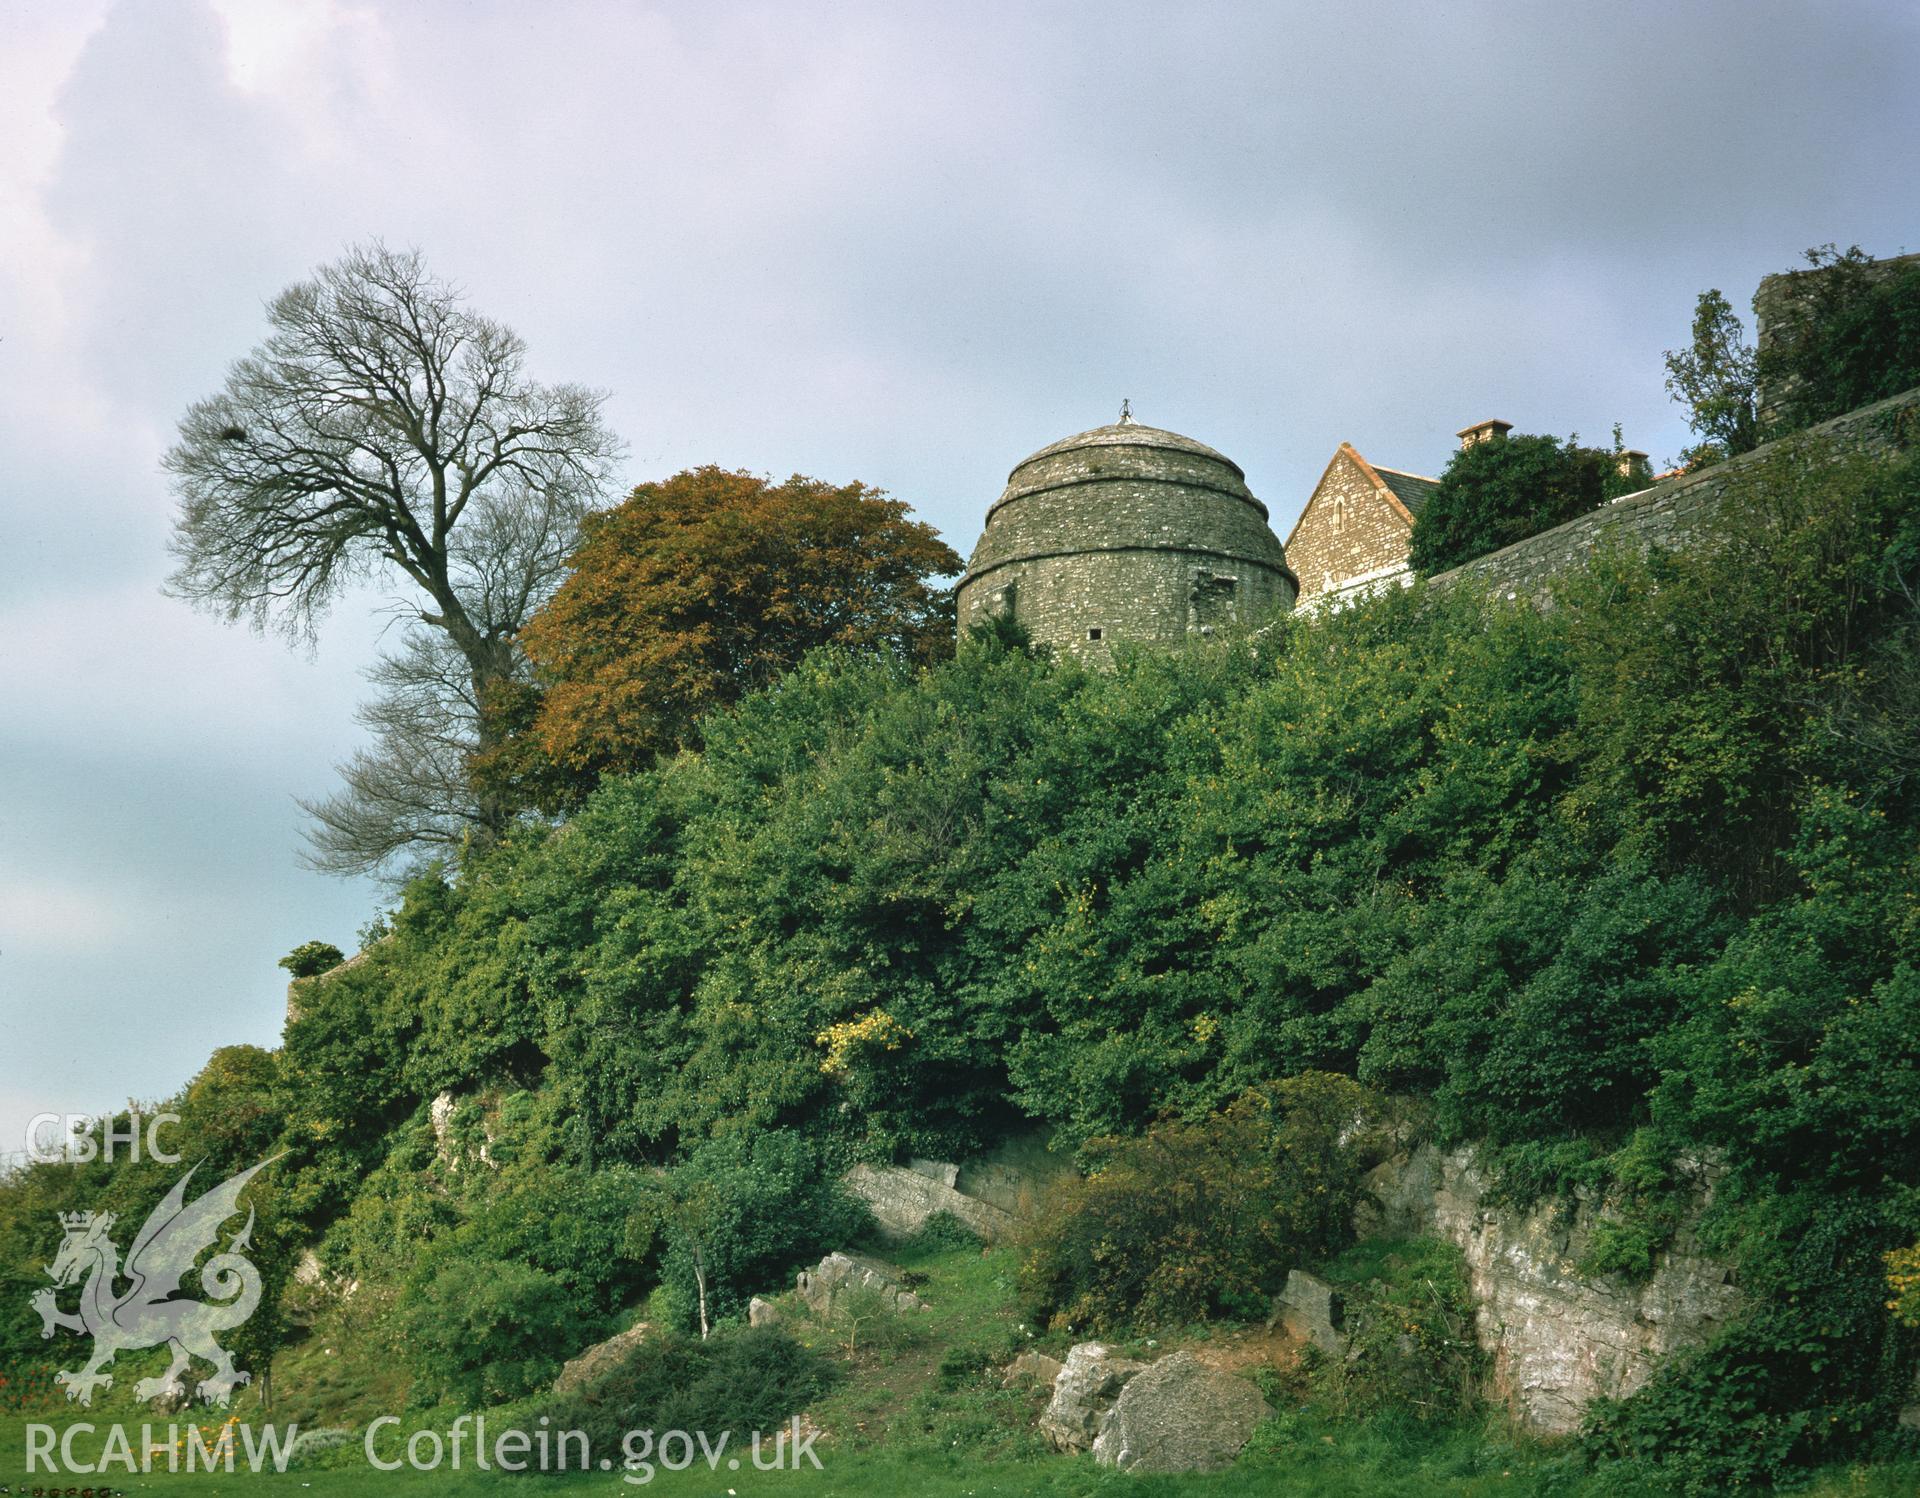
point(920, 1412)
point(931, 1383)
point(1298, 1461)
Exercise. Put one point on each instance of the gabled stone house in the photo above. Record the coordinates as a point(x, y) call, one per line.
point(1353, 536)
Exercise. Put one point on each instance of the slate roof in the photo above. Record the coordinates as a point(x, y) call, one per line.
point(1409, 488)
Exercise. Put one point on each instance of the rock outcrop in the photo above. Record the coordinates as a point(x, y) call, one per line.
point(839, 1275)
point(1310, 1309)
point(1084, 1392)
point(600, 1359)
point(1558, 1337)
point(1179, 1415)
point(448, 1150)
point(1031, 1370)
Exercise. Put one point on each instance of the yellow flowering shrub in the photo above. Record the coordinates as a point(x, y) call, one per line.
point(876, 1030)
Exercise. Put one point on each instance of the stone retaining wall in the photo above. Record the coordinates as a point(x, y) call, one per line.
point(1671, 515)
point(902, 1199)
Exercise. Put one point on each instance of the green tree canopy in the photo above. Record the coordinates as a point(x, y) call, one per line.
point(1503, 490)
point(1714, 378)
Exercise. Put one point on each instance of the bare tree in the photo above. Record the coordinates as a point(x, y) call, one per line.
point(409, 793)
point(385, 431)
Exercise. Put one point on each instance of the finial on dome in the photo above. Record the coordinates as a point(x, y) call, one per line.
point(1126, 413)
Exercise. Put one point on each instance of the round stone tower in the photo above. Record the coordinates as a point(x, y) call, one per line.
point(1126, 533)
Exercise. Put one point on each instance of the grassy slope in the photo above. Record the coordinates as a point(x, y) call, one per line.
point(920, 1412)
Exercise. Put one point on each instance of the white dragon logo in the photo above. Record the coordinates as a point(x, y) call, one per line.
point(147, 1314)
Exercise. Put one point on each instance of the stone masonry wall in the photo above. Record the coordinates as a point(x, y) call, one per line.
point(1782, 310)
point(1099, 513)
point(1125, 533)
point(988, 1192)
point(1671, 514)
point(902, 1199)
point(1348, 530)
point(1142, 596)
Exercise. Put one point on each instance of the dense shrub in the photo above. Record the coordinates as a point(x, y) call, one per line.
point(942, 1232)
point(1200, 1218)
point(1814, 1369)
point(311, 958)
point(588, 1230)
point(740, 1380)
point(1412, 1349)
point(739, 1215)
point(484, 1331)
point(343, 1059)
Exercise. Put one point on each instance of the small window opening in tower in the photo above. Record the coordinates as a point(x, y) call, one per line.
point(1094, 633)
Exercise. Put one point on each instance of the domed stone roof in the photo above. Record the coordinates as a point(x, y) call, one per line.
point(1125, 532)
point(1131, 433)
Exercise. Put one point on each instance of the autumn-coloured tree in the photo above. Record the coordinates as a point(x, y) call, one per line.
point(698, 589)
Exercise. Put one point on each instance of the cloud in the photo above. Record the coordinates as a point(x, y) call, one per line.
point(45, 916)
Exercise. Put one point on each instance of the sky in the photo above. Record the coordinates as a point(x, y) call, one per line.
point(896, 242)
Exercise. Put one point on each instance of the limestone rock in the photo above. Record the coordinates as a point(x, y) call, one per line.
point(1031, 1370)
point(440, 1116)
point(1084, 1392)
point(838, 1275)
point(1558, 1338)
point(308, 1270)
point(1310, 1309)
point(762, 1312)
point(1180, 1416)
point(1909, 1416)
point(445, 1148)
point(600, 1359)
